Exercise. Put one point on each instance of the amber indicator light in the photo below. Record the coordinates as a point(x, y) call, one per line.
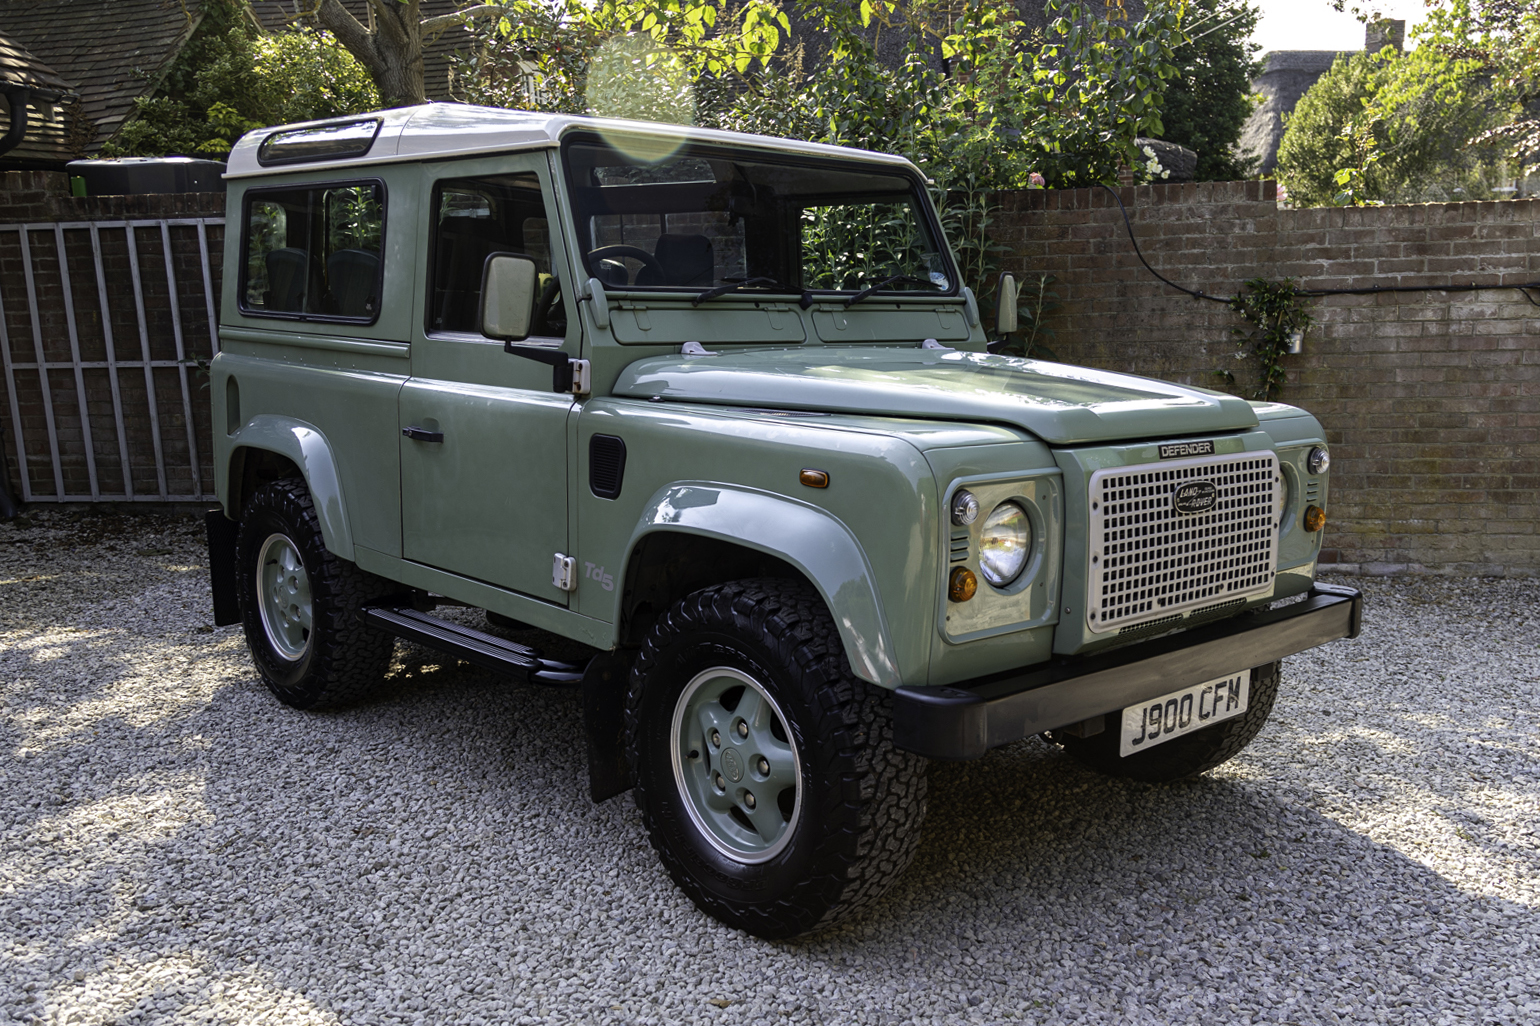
point(814, 478)
point(1315, 518)
point(962, 585)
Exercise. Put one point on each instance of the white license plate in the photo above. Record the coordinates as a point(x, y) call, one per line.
point(1182, 712)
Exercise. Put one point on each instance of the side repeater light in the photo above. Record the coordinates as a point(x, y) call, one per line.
point(1315, 518)
point(814, 478)
point(962, 585)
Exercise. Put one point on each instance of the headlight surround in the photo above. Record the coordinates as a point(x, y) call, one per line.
point(1004, 544)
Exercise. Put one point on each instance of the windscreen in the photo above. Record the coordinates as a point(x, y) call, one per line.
point(703, 217)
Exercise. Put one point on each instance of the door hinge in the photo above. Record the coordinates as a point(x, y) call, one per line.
point(581, 378)
point(564, 572)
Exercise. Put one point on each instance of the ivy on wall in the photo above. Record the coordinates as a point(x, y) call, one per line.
point(1275, 313)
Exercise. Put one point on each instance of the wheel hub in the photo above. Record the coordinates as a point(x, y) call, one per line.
point(731, 765)
point(283, 597)
point(735, 765)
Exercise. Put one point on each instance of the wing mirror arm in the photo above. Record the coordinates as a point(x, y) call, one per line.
point(568, 376)
point(509, 284)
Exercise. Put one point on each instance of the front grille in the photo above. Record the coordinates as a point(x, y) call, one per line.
point(1151, 561)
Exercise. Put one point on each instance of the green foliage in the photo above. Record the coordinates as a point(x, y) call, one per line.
point(230, 79)
point(1504, 38)
point(1275, 312)
point(1208, 101)
point(979, 100)
point(619, 58)
point(1392, 127)
point(850, 246)
point(1003, 103)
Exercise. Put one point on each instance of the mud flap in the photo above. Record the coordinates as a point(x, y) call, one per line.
point(604, 721)
point(221, 537)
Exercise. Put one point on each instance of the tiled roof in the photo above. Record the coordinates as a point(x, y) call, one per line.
point(276, 15)
point(112, 50)
point(19, 67)
point(49, 140)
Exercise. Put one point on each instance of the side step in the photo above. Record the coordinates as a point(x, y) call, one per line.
point(472, 645)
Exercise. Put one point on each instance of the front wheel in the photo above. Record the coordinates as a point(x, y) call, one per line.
point(1184, 756)
point(765, 769)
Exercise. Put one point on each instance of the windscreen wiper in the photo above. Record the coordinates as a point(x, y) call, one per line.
point(770, 284)
point(894, 280)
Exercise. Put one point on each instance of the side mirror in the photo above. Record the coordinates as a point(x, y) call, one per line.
point(509, 282)
point(1005, 312)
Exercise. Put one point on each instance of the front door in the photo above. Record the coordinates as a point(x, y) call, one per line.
point(484, 439)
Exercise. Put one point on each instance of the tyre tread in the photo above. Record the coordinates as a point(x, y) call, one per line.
point(347, 658)
point(879, 803)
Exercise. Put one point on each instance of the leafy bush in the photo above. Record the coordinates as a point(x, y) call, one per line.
point(1209, 99)
point(1004, 107)
point(230, 79)
point(1394, 127)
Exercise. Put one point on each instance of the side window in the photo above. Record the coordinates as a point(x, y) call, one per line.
point(314, 251)
point(474, 218)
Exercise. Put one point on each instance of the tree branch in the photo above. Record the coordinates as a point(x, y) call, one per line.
point(354, 37)
point(393, 17)
point(440, 22)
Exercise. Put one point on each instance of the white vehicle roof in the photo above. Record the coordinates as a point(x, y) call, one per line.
point(439, 131)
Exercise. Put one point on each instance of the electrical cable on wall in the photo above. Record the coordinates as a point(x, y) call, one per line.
point(1367, 291)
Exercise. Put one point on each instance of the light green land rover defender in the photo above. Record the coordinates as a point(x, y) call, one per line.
point(719, 409)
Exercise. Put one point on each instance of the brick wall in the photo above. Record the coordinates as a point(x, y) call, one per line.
point(1431, 401)
point(123, 461)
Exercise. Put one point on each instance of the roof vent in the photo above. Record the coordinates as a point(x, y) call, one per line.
point(339, 140)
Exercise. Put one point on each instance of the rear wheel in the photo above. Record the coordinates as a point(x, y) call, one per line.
point(1184, 756)
point(300, 604)
point(765, 770)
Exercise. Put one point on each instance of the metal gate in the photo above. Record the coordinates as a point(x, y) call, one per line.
point(106, 330)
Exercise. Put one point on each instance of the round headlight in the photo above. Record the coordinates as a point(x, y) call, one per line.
point(1318, 460)
point(1004, 544)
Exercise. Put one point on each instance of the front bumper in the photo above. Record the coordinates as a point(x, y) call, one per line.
point(963, 721)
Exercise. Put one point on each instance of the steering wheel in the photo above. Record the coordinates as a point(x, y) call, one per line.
point(541, 322)
point(649, 261)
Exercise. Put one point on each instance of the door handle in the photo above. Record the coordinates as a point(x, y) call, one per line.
point(422, 434)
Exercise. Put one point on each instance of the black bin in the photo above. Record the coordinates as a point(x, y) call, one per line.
point(130, 176)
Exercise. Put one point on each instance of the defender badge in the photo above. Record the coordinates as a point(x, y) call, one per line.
point(1177, 450)
point(1195, 497)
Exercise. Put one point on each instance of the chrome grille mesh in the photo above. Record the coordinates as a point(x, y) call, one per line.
point(1149, 561)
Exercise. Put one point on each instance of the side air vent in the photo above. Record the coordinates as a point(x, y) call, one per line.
point(606, 465)
point(960, 543)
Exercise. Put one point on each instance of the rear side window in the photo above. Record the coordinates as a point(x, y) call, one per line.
point(314, 252)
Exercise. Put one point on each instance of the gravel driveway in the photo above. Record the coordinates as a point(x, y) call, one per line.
point(176, 847)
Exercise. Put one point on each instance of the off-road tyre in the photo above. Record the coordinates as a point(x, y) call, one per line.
point(343, 659)
point(1187, 755)
point(862, 800)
